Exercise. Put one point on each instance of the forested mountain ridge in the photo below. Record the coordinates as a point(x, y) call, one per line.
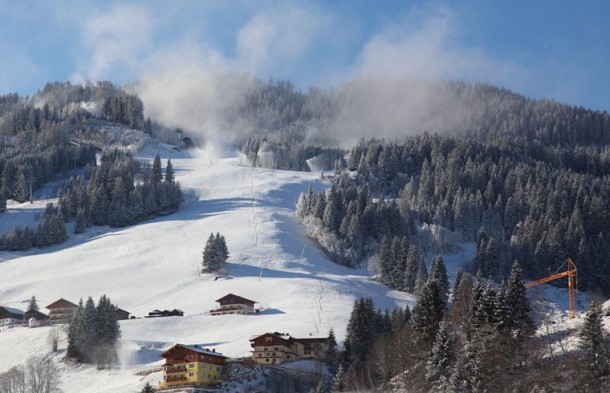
point(526, 179)
point(61, 128)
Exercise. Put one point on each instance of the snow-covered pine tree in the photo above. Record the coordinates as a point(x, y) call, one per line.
point(466, 377)
point(33, 305)
point(79, 225)
point(386, 261)
point(157, 174)
point(339, 383)
point(108, 331)
point(440, 364)
point(438, 272)
point(169, 172)
point(210, 261)
point(595, 352)
point(428, 312)
point(331, 355)
point(410, 274)
point(76, 333)
point(517, 305)
point(148, 388)
point(422, 276)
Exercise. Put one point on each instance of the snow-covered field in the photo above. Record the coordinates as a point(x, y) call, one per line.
point(155, 265)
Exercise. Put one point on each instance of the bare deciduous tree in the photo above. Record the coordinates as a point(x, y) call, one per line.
point(42, 375)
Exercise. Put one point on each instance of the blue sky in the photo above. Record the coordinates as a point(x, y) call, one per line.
point(542, 48)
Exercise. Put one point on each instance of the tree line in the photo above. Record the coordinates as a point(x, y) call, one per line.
point(93, 332)
point(514, 200)
point(483, 341)
point(112, 196)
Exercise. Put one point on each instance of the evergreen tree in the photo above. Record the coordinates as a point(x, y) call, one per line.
point(440, 364)
point(76, 333)
point(80, 224)
point(33, 305)
point(517, 305)
point(339, 383)
point(331, 355)
point(169, 172)
point(422, 276)
point(210, 261)
point(466, 378)
point(428, 312)
point(594, 346)
point(108, 331)
point(361, 330)
point(148, 388)
point(157, 174)
point(438, 272)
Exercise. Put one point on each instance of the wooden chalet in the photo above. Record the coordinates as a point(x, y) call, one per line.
point(10, 316)
point(165, 313)
point(122, 314)
point(191, 366)
point(233, 304)
point(61, 311)
point(37, 315)
point(313, 347)
point(274, 348)
point(277, 348)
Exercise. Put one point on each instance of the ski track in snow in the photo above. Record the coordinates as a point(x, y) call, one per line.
point(154, 265)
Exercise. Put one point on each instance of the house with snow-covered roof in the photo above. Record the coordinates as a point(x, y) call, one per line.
point(191, 365)
point(61, 311)
point(10, 316)
point(233, 304)
point(277, 348)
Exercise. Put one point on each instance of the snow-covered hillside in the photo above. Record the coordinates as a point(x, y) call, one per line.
point(155, 265)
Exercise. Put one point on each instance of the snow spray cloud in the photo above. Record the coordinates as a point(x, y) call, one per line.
point(389, 90)
point(198, 88)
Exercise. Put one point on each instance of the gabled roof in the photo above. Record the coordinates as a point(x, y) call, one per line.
point(283, 336)
point(36, 314)
point(61, 303)
point(236, 297)
point(12, 312)
point(196, 348)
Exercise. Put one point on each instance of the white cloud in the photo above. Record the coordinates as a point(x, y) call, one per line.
point(428, 46)
point(115, 39)
point(279, 35)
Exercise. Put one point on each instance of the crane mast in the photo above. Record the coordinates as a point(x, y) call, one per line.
point(570, 273)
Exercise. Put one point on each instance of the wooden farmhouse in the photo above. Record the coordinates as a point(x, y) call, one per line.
point(277, 348)
point(233, 304)
point(10, 316)
point(122, 314)
point(37, 315)
point(61, 311)
point(191, 365)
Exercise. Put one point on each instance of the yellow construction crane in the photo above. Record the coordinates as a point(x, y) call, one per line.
point(571, 275)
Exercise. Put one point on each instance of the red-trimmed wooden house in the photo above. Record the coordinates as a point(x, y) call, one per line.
point(61, 311)
point(233, 304)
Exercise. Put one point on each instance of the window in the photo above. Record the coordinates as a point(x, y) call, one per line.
point(191, 365)
point(273, 354)
point(264, 349)
point(209, 376)
point(218, 368)
point(210, 367)
point(191, 374)
point(275, 348)
point(267, 360)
